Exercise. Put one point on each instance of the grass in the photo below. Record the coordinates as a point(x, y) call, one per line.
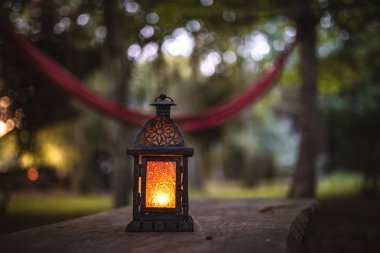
point(232, 190)
point(340, 183)
point(60, 204)
point(336, 184)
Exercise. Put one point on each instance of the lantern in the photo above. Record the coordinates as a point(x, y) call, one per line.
point(160, 188)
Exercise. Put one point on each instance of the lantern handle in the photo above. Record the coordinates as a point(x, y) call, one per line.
point(163, 96)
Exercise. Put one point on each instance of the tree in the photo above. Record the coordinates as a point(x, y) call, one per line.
point(215, 28)
point(304, 181)
point(118, 70)
point(352, 112)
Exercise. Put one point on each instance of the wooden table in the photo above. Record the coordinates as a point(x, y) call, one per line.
point(248, 225)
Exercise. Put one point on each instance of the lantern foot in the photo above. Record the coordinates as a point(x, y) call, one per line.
point(161, 226)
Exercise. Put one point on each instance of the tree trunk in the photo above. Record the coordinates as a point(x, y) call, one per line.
point(4, 201)
point(304, 178)
point(82, 176)
point(118, 72)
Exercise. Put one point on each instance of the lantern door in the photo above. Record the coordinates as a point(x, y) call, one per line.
point(161, 184)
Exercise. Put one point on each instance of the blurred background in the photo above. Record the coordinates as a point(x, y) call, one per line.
point(315, 133)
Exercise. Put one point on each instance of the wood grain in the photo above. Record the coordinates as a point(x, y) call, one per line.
point(220, 226)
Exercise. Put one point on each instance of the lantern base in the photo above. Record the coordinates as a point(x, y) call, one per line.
point(161, 226)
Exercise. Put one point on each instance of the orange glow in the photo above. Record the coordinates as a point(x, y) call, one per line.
point(5, 102)
point(3, 128)
point(160, 184)
point(10, 125)
point(6, 127)
point(33, 174)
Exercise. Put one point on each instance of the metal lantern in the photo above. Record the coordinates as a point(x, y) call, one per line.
point(160, 188)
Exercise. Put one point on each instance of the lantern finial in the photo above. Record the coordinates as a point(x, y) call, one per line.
point(163, 104)
point(162, 95)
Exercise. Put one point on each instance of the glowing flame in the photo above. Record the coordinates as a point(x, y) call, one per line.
point(160, 184)
point(162, 198)
point(33, 174)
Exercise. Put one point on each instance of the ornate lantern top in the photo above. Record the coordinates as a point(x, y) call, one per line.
point(161, 131)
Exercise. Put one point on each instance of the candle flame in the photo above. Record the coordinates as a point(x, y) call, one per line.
point(162, 199)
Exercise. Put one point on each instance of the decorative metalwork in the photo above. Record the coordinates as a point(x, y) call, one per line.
point(160, 131)
point(160, 187)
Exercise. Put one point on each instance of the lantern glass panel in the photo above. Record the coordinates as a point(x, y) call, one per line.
point(161, 184)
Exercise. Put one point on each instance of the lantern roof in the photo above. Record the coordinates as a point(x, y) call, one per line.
point(160, 134)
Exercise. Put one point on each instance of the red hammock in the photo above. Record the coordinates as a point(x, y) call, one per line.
point(57, 75)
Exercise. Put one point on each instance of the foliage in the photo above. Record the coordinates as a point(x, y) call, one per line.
point(352, 110)
point(73, 32)
point(201, 53)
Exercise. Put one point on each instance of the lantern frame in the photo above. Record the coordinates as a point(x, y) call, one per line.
point(160, 140)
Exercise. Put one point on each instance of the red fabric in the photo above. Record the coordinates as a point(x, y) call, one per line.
point(57, 75)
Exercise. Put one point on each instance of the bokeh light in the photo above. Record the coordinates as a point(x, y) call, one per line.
point(131, 7)
point(27, 160)
point(193, 25)
point(101, 32)
point(209, 64)
point(33, 174)
point(229, 16)
point(180, 43)
point(10, 125)
point(83, 19)
point(5, 102)
point(260, 47)
point(3, 128)
point(152, 18)
point(147, 31)
point(229, 57)
point(206, 2)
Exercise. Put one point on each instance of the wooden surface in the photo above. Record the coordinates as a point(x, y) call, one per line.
point(220, 226)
